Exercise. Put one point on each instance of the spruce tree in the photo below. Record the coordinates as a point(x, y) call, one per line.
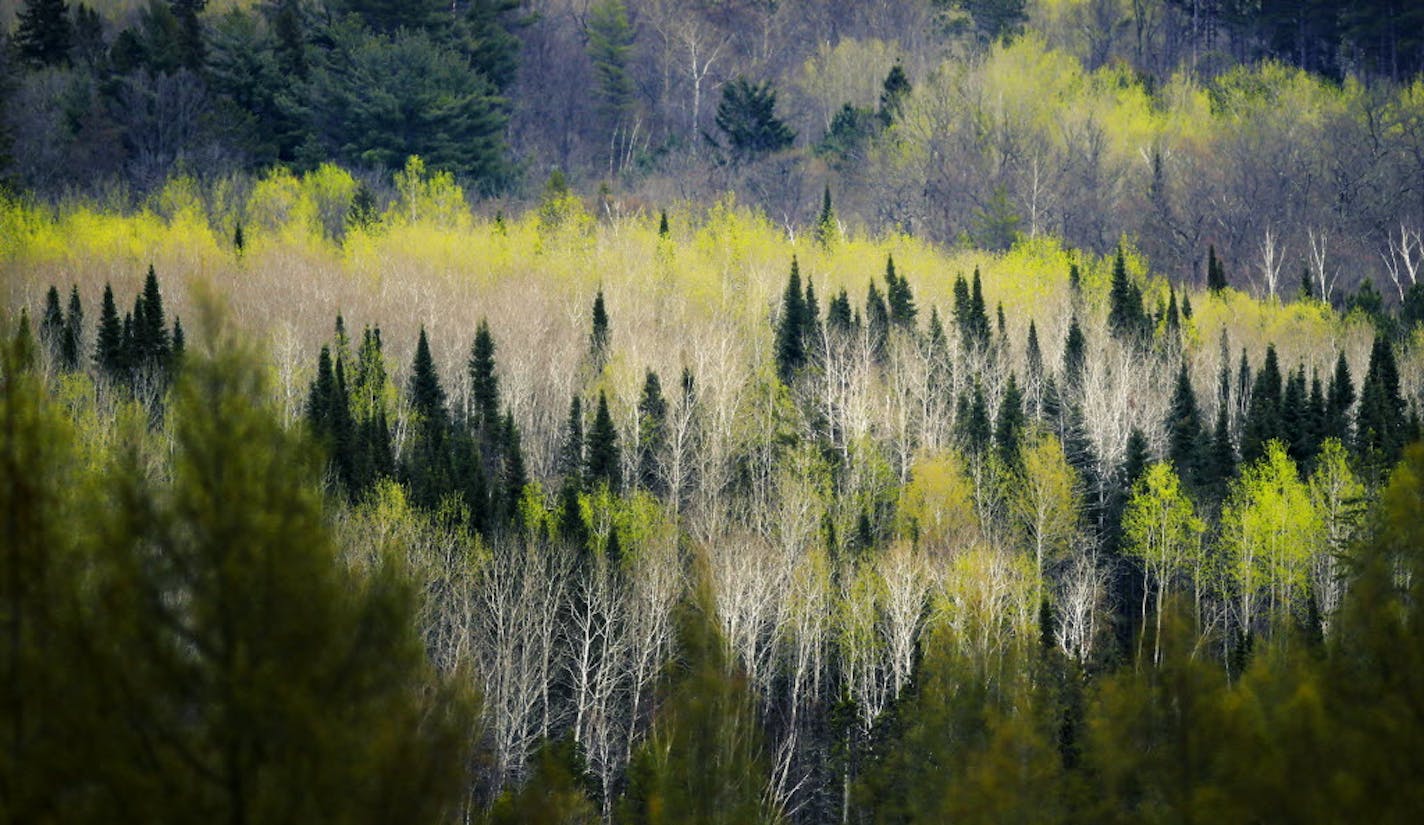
point(1215, 272)
point(811, 318)
point(662, 224)
point(150, 335)
point(192, 50)
point(602, 461)
point(1126, 319)
point(1381, 425)
point(72, 340)
point(1033, 354)
point(52, 323)
point(899, 297)
point(877, 320)
point(1173, 319)
point(484, 385)
point(513, 475)
point(109, 341)
point(180, 342)
point(652, 419)
point(972, 423)
point(1009, 425)
point(427, 397)
point(1220, 464)
point(826, 221)
point(43, 36)
point(839, 317)
point(790, 328)
point(892, 94)
point(1295, 417)
point(1184, 428)
point(1075, 356)
point(1338, 401)
point(978, 311)
point(429, 466)
point(1263, 413)
point(571, 448)
point(598, 337)
point(1186, 305)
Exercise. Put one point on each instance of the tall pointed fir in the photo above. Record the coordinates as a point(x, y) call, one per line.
point(971, 421)
point(899, 297)
point(598, 338)
point(1215, 272)
point(1075, 357)
point(1338, 400)
point(826, 230)
point(603, 462)
point(1126, 319)
point(1184, 431)
point(428, 467)
point(571, 462)
point(43, 34)
point(790, 328)
point(652, 420)
point(484, 386)
point(109, 341)
point(1380, 426)
point(71, 343)
point(52, 323)
point(513, 476)
point(1009, 425)
point(877, 320)
point(1263, 413)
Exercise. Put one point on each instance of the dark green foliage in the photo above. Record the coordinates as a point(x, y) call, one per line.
point(1299, 425)
point(513, 476)
point(899, 297)
point(971, 421)
point(1033, 354)
point(1380, 426)
point(877, 320)
point(43, 34)
point(662, 224)
point(192, 51)
point(1075, 356)
point(1009, 424)
point(892, 94)
point(1263, 413)
point(1135, 460)
point(364, 212)
point(386, 16)
point(556, 792)
point(239, 241)
point(603, 462)
point(109, 356)
point(71, 341)
point(52, 323)
point(1339, 399)
point(652, 422)
point(747, 116)
point(1173, 319)
point(610, 44)
point(429, 468)
point(150, 347)
point(826, 229)
point(484, 384)
point(970, 314)
point(1220, 461)
point(839, 317)
point(1215, 271)
point(376, 101)
point(1184, 430)
point(1126, 319)
point(1186, 306)
point(790, 328)
point(851, 130)
point(571, 449)
point(1075, 279)
point(598, 337)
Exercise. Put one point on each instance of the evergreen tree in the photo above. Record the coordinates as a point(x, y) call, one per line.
point(43, 36)
point(72, 340)
point(892, 94)
point(484, 385)
point(1075, 356)
point(1033, 354)
point(652, 419)
point(978, 311)
point(969, 313)
point(1186, 305)
point(512, 472)
point(1135, 460)
point(571, 447)
point(1173, 318)
point(1009, 425)
point(386, 16)
point(971, 422)
point(602, 460)
point(1215, 272)
point(877, 320)
point(109, 342)
point(1126, 318)
point(790, 328)
point(898, 295)
point(192, 51)
point(811, 318)
point(838, 315)
point(1295, 418)
point(610, 46)
point(1221, 460)
point(663, 224)
point(1339, 400)
point(1075, 280)
point(1184, 428)
point(1263, 415)
point(598, 338)
point(180, 343)
point(151, 346)
point(826, 221)
point(52, 323)
point(429, 466)
point(747, 116)
point(1381, 426)
point(427, 397)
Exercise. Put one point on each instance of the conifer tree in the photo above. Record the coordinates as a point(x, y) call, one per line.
point(513, 474)
point(1220, 463)
point(150, 335)
point(877, 320)
point(1033, 354)
point(811, 317)
point(826, 221)
point(598, 338)
point(429, 462)
point(1075, 279)
point(1075, 356)
point(1184, 428)
point(892, 94)
point(484, 384)
point(790, 328)
point(192, 51)
point(1126, 318)
point(571, 447)
point(978, 311)
point(1009, 425)
point(109, 342)
point(662, 224)
point(1263, 414)
point(972, 423)
point(1381, 426)
point(901, 300)
point(1173, 319)
point(1339, 399)
point(1186, 305)
point(602, 460)
point(839, 316)
point(43, 36)
point(1296, 428)
point(180, 343)
point(52, 323)
point(1215, 272)
point(72, 340)
point(652, 418)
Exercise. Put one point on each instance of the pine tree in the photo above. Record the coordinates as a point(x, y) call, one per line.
point(192, 51)
point(892, 94)
point(72, 341)
point(826, 221)
point(429, 462)
point(811, 317)
point(109, 342)
point(1215, 272)
point(901, 300)
point(1263, 414)
point(603, 462)
point(652, 418)
point(180, 343)
point(1173, 319)
point(747, 116)
point(1009, 425)
point(43, 35)
point(598, 337)
point(1136, 457)
point(610, 45)
point(790, 328)
point(1221, 460)
point(427, 397)
point(1184, 428)
point(151, 345)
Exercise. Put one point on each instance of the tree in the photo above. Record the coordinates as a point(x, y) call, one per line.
point(898, 296)
point(1126, 318)
point(790, 328)
point(1160, 527)
point(602, 461)
point(1339, 398)
point(971, 421)
point(1184, 430)
point(71, 342)
point(52, 323)
point(598, 338)
point(1046, 502)
point(652, 437)
point(610, 42)
point(893, 93)
point(109, 354)
point(1075, 355)
point(747, 116)
point(1215, 272)
point(1263, 413)
point(484, 383)
point(1009, 424)
point(1380, 425)
point(826, 220)
point(43, 36)
point(428, 462)
point(388, 16)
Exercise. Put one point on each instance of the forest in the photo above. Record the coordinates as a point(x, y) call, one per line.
point(509, 412)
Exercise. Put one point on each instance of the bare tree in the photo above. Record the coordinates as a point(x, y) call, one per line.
point(1403, 258)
